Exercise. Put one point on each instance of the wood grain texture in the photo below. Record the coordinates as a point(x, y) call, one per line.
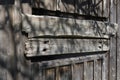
point(45, 4)
point(113, 14)
point(98, 70)
point(68, 61)
point(88, 70)
point(36, 72)
point(3, 74)
point(82, 7)
point(66, 6)
point(112, 58)
point(78, 71)
point(55, 26)
point(39, 47)
point(65, 73)
point(90, 7)
point(26, 8)
point(50, 74)
point(118, 41)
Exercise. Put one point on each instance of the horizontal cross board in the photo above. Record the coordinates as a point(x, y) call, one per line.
point(41, 47)
point(58, 26)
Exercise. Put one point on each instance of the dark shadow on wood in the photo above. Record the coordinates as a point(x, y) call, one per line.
point(84, 9)
point(40, 11)
point(62, 56)
point(8, 2)
point(67, 37)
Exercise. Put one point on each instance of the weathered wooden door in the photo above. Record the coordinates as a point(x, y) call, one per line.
point(67, 49)
point(79, 68)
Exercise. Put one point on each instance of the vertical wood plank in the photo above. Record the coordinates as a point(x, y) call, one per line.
point(88, 70)
point(26, 7)
point(57, 73)
point(118, 40)
point(3, 74)
point(65, 73)
point(66, 6)
point(50, 74)
point(97, 70)
point(105, 67)
point(112, 59)
point(113, 11)
point(106, 8)
point(99, 5)
point(78, 71)
point(36, 72)
point(45, 4)
point(81, 6)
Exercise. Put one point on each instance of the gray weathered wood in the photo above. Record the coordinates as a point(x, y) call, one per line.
point(66, 6)
point(118, 41)
point(26, 8)
point(113, 14)
point(98, 70)
point(68, 61)
point(65, 73)
point(82, 7)
point(45, 4)
point(90, 7)
point(112, 59)
point(55, 26)
point(106, 8)
point(85, 71)
point(13, 64)
point(36, 71)
point(50, 74)
point(3, 74)
point(78, 71)
point(105, 66)
point(89, 70)
point(39, 47)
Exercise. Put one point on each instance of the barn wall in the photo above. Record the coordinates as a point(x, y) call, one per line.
point(13, 63)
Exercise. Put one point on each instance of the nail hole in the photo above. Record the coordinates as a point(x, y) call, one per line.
point(100, 46)
point(45, 42)
point(44, 49)
point(100, 42)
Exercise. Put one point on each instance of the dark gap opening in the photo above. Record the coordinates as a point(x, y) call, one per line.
point(61, 56)
point(25, 33)
point(69, 37)
point(40, 11)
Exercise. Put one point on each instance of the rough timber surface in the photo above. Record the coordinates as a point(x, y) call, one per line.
point(68, 61)
point(45, 4)
point(39, 47)
point(58, 26)
point(98, 8)
point(82, 67)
